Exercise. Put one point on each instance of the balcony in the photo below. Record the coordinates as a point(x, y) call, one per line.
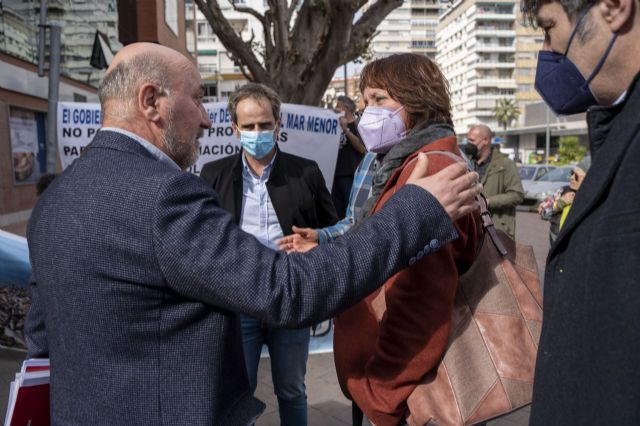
point(506, 83)
point(207, 69)
point(495, 32)
point(494, 47)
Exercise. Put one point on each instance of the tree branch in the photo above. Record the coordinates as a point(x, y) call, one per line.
point(365, 28)
point(292, 7)
point(249, 10)
point(242, 51)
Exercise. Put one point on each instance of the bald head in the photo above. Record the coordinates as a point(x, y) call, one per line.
point(480, 135)
point(482, 131)
point(135, 65)
point(156, 93)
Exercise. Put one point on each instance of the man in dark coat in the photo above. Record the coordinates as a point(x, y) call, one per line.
point(588, 367)
point(268, 192)
point(138, 272)
point(500, 179)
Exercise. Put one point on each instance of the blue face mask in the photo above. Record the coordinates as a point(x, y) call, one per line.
point(257, 144)
point(561, 84)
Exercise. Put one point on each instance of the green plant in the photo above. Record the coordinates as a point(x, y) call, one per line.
point(506, 112)
point(570, 150)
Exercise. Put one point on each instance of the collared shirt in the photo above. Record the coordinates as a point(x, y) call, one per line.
point(153, 150)
point(258, 216)
point(620, 99)
point(360, 191)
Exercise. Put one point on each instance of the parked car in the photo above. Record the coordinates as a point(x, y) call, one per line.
point(532, 172)
point(538, 190)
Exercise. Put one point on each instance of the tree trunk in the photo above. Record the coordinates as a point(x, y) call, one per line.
point(299, 59)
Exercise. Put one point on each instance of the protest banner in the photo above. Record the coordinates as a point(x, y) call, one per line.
point(306, 131)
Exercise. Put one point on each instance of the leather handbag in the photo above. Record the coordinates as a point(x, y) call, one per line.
point(488, 364)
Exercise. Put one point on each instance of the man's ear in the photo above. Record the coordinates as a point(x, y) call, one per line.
point(236, 132)
point(148, 101)
point(618, 14)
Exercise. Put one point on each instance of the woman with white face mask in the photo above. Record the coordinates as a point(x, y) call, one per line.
point(381, 357)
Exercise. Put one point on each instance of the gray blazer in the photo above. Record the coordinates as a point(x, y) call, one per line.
point(138, 275)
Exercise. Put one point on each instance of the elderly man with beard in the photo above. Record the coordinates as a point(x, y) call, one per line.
point(138, 272)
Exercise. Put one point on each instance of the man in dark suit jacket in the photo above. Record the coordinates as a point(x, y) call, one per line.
point(138, 272)
point(267, 192)
point(588, 365)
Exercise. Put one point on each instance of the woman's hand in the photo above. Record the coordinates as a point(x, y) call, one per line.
point(303, 240)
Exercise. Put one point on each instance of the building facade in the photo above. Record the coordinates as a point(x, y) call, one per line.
point(424, 24)
point(24, 95)
point(476, 51)
point(393, 33)
point(409, 28)
point(221, 76)
point(78, 19)
point(487, 55)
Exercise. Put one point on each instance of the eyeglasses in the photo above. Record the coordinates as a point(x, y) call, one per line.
point(575, 175)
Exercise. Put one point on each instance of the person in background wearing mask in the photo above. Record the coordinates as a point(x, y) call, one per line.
point(556, 208)
point(350, 154)
point(499, 177)
point(588, 361)
point(380, 361)
point(268, 192)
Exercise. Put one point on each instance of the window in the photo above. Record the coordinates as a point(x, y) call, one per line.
point(526, 55)
point(171, 14)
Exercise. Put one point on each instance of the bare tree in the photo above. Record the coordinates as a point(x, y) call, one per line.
point(305, 41)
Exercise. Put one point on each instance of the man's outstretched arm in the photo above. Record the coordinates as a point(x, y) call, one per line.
point(206, 257)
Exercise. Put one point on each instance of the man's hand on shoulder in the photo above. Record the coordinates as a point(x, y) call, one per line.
point(454, 186)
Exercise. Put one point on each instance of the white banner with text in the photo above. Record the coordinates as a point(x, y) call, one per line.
point(308, 132)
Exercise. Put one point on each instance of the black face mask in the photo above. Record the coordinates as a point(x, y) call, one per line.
point(471, 151)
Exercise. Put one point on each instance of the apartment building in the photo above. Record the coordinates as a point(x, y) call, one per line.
point(393, 33)
point(24, 95)
point(78, 19)
point(221, 76)
point(476, 51)
point(528, 43)
point(424, 24)
point(409, 28)
point(487, 55)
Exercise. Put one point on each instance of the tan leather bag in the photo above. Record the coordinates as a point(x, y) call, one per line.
point(488, 365)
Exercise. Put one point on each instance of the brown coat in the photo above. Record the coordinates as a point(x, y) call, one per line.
point(380, 363)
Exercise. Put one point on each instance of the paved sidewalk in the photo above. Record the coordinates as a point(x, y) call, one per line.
point(327, 405)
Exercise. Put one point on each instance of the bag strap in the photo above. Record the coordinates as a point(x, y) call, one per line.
point(487, 223)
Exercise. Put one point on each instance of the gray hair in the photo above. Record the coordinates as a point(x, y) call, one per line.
point(255, 91)
point(124, 80)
